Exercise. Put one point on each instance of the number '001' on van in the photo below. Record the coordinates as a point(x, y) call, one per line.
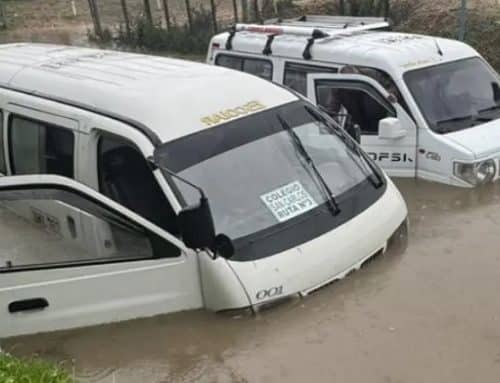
point(120, 169)
point(427, 107)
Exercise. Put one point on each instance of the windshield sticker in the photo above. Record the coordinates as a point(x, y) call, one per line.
point(289, 201)
point(230, 114)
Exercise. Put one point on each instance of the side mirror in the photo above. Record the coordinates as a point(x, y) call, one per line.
point(198, 230)
point(496, 92)
point(391, 129)
point(197, 226)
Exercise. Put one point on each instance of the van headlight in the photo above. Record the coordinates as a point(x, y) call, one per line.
point(477, 173)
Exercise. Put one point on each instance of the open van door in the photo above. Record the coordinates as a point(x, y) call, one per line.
point(70, 257)
point(388, 133)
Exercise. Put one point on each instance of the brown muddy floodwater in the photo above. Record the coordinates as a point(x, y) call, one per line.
point(431, 314)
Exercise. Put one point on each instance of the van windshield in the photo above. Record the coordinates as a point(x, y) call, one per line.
point(256, 178)
point(456, 95)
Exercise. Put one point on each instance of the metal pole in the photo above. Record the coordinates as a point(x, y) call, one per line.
point(96, 19)
point(189, 15)
point(214, 15)
point(147, 11)
point(463, 21)
point(235, 10)
point(126, 16)
point(3, 16)
point(166, 10)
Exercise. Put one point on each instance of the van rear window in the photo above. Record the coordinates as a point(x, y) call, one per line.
point(40, 148)
point(258, 67)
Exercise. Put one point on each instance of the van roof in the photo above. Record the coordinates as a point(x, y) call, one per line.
point(171, 97)
point(393, 52)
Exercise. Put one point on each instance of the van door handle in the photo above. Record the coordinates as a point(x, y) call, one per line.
point(28, 305)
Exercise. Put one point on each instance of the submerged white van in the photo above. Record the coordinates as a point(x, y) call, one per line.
point(120, 169)
point(427, 107)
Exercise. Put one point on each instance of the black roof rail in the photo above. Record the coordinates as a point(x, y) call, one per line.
point(316, 35)
point(229, 42)
point(268, 49)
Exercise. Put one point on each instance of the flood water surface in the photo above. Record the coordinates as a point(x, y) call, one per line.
point(431, 314)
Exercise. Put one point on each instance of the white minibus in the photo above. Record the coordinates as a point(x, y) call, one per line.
point(426, 107)
point(136, 185)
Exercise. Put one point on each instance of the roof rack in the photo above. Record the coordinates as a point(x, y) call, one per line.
point(311, 27)
point(334, 22)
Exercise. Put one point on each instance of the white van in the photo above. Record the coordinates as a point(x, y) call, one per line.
point(119, 169)
point(427, 107)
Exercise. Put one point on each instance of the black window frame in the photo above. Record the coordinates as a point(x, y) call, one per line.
point(107, 135)
point(401, 100)
point(366, 88)
point(242, 66)
point(3, 158)
point(47, 125)
point(313, 69)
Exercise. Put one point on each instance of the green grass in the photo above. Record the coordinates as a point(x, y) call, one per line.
point(14, 370)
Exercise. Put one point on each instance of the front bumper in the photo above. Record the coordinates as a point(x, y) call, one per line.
point(305, 268)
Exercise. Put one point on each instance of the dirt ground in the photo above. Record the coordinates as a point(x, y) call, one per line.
point(430, 314)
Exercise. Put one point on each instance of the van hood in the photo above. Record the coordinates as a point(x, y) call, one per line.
point(329, 257)
point(481, 140)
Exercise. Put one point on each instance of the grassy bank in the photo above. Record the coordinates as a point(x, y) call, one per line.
point(13, 370)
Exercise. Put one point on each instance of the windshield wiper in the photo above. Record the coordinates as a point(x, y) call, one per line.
point(351, 144)
point(473, 119)
point(455, 119)
point(297, 142)
point(491, 108)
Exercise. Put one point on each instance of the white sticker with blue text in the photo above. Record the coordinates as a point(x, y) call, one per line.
point(289, 201)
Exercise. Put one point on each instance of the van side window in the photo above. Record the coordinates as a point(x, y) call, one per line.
point(296, 75)
point(40, 148)
point(3, 169)
point(363, 105)
point(50, 228)
point(257, 67)
point(125, 177)
point(384, 79)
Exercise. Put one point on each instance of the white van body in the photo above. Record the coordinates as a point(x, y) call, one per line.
point(442, 120)
point(85, 240)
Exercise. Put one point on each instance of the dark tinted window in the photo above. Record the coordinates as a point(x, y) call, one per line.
point(257, 67)
point(125, 176)
point(383, 78)
point(365, 107)
point(456, 95)
point(40, 148)
point(296, 75)
point(3, 170)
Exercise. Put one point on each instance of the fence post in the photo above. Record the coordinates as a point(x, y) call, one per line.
point(96, 19)
point(166, 10)
point(244, 10)
point(73, 8)
point(214, 15)
point(235, 10)
point(462, 29)
point(125, 16)
point(189, 15)
point(3, 16)
point(147, 11)
point(255, 10)
point(342, 7)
